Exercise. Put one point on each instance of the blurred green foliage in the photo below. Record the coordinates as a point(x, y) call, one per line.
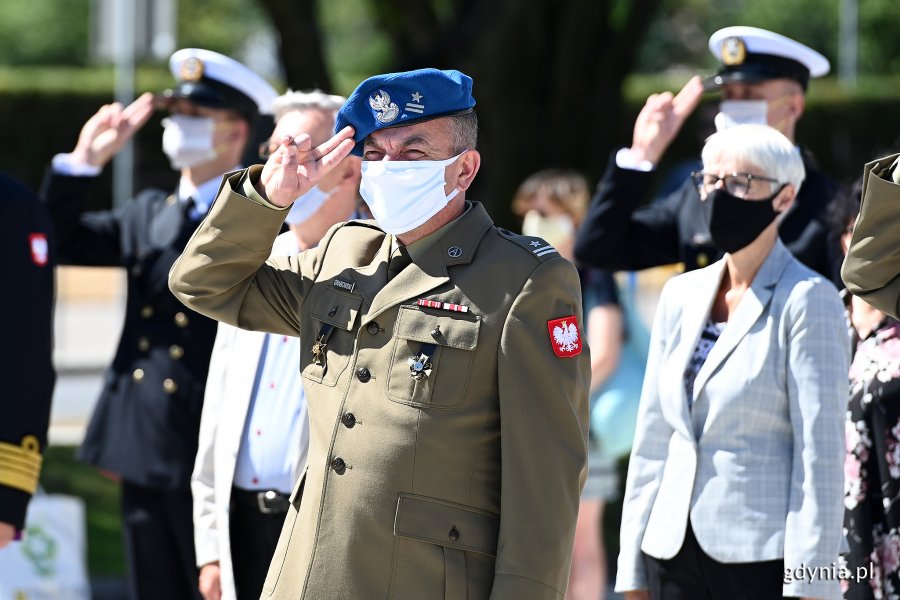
point(49, 33)
point(62, 474)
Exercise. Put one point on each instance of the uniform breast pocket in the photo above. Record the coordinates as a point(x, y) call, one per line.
point(432, 357)
point(329, 344)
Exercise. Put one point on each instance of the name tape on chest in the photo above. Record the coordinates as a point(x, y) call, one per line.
point(343, 285)
point(442, 305)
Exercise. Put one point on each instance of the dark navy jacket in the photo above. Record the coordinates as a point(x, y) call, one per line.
point(27, 258)
point(147, 420)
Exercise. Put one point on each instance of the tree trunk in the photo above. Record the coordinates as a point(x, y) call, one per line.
point(300, 45)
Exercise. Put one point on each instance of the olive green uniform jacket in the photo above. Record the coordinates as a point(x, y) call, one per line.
point(871, 268)
point(461, 484)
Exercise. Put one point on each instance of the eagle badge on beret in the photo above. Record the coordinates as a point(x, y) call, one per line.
point(385, 110)
point(734, 51)
point(191, 69)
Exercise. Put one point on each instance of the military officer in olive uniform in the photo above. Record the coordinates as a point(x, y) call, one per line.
point(871, 269)
point(144, 429)
point(763, 79)
point(443, 360)
point(26, 328)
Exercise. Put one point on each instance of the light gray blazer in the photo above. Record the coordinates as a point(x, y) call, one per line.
point(757, 463)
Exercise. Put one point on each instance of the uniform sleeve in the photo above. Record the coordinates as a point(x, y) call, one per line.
point(89, 238)
point(818, 363)
point(618, 234)
point(203, 479)
point(224, 273)
point(871, 268)
point(26, 257)
point(544, 423)
point(648, 457)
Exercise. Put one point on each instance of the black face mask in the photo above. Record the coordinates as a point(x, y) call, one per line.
point(734, 223)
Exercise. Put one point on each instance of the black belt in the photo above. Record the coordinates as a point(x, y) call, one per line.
point(265, 501)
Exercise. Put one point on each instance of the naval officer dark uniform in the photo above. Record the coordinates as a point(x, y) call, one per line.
point(147, 420)
point(619, 233)
point(27, 259)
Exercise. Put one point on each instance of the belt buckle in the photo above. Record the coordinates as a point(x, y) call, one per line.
point(265, 500)
point(268, 502)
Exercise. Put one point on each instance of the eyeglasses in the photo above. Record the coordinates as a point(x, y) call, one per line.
point(266, 150)
point(737, 184)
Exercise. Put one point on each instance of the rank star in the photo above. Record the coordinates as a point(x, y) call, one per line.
point(535, 243)
point(416, 97)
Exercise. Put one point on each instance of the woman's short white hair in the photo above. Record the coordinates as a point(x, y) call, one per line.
point(761, 146)
point(314, 99)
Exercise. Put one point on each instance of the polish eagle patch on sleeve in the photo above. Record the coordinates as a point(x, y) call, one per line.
point(565, 337)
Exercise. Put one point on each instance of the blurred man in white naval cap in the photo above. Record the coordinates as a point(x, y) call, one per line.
point(145, 426)
point(763, 79)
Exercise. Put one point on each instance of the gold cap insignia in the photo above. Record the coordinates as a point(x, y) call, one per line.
point(192, 69)
point(734, 51)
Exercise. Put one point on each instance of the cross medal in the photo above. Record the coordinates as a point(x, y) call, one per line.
point(318, 351)
point(419, 367)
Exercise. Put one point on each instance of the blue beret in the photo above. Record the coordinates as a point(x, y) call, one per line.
point(397, 99)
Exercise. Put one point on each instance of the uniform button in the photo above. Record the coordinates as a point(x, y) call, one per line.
point(702, 260)
point(143, 344)
point(181, 319)
point(147, 312)
point(176, 352)
point(454, 534)
point(363, 374)
point(136, 270)
point(169, 386)
point(338, 465)
point(349, 419)
point(373, 328)
point(138, 375)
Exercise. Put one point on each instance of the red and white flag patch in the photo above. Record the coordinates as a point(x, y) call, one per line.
point(39, 249)
point(565, 337)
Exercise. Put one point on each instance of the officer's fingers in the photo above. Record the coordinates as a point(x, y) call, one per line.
point(303, 142)
point(336, 155)
point(138, 112)
point(336, 141)
point(689, 97)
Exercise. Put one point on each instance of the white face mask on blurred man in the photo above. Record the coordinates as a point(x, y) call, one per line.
point(741, 112)
point(188, 141)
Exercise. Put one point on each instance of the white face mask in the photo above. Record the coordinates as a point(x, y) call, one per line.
point(307, 204)
point(403, 194)
point(554, 230)
point(741, 112)
point(188, 141)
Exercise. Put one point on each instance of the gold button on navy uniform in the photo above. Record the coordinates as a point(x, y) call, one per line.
point(147, 312)
point(176, 352)
point(181, 319)
point(138, 375)
point(143, 344)
point(136, 270)
point(702, 260)
point(169, 386)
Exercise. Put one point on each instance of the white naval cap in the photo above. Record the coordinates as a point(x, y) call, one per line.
point(217, 81)
point(751, 54)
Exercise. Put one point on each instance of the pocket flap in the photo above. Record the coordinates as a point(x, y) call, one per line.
point(428, 328)
point(336, 308)
point(446, 524)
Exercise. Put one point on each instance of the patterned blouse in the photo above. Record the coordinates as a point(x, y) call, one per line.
point(872, 467)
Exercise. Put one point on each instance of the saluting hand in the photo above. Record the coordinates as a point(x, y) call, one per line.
point(662, 118)
point(296, 166)
point(109, 128)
